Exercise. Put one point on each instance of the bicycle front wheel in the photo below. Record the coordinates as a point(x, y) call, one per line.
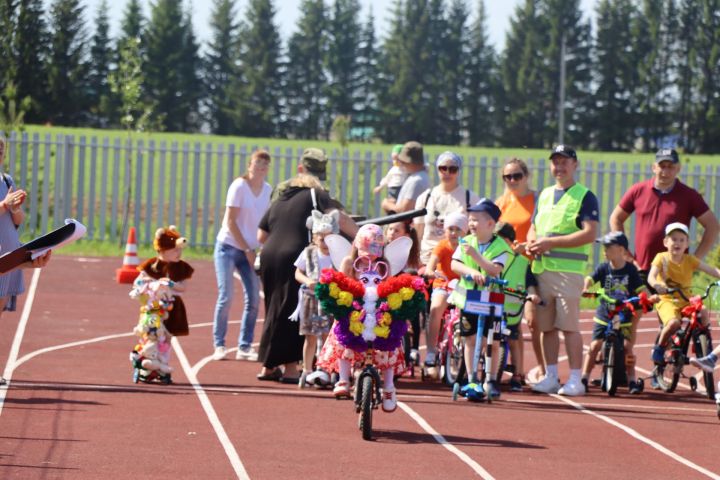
point(612, 366)
point(703, 347)
point(366, 407)
point(453, 358)
point(668, 375)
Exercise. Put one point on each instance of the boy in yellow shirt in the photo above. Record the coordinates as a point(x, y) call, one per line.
point(674, 269)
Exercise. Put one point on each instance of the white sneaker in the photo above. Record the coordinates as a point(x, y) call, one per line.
point(547, 385)
point(219, 353)
point(319, 378)
point(389, 402)
point(572, 388)
point(250, 354)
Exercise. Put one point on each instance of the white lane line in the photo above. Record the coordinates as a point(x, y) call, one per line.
point(19, 333)
point(617, 405)
point(633, 433)
point(211, 414)
point(449, 446)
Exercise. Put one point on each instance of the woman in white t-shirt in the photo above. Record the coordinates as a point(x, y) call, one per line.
point(247, 200)
point(447, 197)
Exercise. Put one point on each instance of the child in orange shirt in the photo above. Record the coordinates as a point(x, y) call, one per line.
point(456, 225)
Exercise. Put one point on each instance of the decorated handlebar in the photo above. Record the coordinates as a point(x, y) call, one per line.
point(678, 289)
point(630, 304)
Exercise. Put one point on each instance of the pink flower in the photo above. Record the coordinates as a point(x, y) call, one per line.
point(356, 305)
point(418, 283)
point(326, 276)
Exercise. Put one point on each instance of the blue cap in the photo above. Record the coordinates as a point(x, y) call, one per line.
point(614, 238)
point(488, 206)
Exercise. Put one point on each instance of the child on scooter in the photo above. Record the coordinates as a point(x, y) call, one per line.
point(479, 255)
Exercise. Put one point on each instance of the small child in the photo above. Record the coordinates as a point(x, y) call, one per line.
point(478, 256)
point(395, 177)
point(374, 320)
point(520, 277)
point(620, 280)
point(440, 269)
point(314, 323)
point(166, 271)
point(674, 268)
point(405, 229)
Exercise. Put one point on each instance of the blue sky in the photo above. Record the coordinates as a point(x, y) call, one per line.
point(499, 13)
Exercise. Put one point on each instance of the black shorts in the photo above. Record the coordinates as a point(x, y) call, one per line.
point(469, 326)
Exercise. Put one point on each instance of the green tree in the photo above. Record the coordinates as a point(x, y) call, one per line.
point(451, 81)
point(342, 57)
point(707, 58)
point(101, 55)
point(366, 106)
point(12, 109)
point(306, 76)
point(483, 88)
point(257, 90)
point(132, 25)
point(219, 65)
point(688, 31)
point(8, 14)
point(31, 50)
point(171, 66)
point(67, 65)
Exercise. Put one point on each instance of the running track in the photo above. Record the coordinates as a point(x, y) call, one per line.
point(72, 411)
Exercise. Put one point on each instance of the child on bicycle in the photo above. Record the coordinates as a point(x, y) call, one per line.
point(439, 268)
point(519, 277)
point(406, 229)
point(478, 256)
point(674, 269)
point(314, 323)
point(620, 280)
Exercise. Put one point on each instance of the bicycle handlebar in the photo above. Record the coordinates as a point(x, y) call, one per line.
point(679, 291)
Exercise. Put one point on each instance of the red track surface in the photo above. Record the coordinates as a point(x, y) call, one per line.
point(73, 412)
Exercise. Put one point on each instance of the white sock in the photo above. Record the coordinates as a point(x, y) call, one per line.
point(551, 371)
point(388, 380)
point(574, 375)
point(344, 372)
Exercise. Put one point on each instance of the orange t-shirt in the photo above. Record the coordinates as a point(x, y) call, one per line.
point(444, 252)
point(517, 211)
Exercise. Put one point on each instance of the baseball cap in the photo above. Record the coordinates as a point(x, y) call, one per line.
point(456, 219)
point(315, 162)
point(448, 158)
point(667, 154)
point(564, 150)
point(505, 230)
point(677, 226)
point(614, 238)
point(488, 206)
point(412, 152)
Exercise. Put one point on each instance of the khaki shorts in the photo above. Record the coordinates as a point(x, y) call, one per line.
point(669, 310)
point(561, 293)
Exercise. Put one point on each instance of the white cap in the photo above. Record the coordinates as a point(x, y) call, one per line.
point(456, 219)
point(677, 226)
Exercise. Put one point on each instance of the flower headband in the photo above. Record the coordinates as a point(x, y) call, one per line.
point(370, 240)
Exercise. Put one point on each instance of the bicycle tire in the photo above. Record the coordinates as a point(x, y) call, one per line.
point(453, 359)
point(366, 407)
point(613, 366)
point(703, 348)
point(668, 375)
point(503, 358)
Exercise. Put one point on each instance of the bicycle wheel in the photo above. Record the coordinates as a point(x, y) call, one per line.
point(504, 352)
point(612, 366)
point(366, 407)
point(668, 375)
point(453, 358)
point(703, 347)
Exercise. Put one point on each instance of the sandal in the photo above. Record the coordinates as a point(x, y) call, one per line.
point(273, 376)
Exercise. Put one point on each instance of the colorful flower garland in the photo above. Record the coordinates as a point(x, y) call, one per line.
point(336, 293)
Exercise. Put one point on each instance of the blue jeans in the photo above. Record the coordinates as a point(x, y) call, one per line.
point(227, 260)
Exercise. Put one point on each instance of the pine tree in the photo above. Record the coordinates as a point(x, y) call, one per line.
point(171, 66)
point(688, 31)
point(258, 91)
point(31, 49)
point(219, 65)
point(101, 55)
point(8, 20)
point(452, 75)
point(480, 63)
point(67, 66)
point(707, 110)
point(342, 57)
point(306, 76)
point(132, 24)
point(366, 106)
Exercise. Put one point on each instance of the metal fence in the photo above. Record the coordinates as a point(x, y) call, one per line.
point(185, 183)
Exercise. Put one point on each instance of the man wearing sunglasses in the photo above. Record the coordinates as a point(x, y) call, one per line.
point(412, 162)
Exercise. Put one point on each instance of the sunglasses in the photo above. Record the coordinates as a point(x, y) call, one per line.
point(513, 176)
point(448, 169)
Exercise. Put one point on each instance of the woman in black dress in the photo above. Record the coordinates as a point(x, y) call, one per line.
point(284, 235)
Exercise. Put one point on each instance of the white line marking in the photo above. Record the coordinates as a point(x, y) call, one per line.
point(633, 433)
point(449, 446)
point(19, 333)
point(211, 414)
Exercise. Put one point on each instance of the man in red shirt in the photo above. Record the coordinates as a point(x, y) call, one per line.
point(658, 202)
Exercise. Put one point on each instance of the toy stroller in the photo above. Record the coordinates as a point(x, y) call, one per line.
point(150, 356)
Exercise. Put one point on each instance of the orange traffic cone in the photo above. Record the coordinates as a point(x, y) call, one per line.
point(128, 272)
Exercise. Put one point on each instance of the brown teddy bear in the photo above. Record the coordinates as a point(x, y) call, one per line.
point(167, 265)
